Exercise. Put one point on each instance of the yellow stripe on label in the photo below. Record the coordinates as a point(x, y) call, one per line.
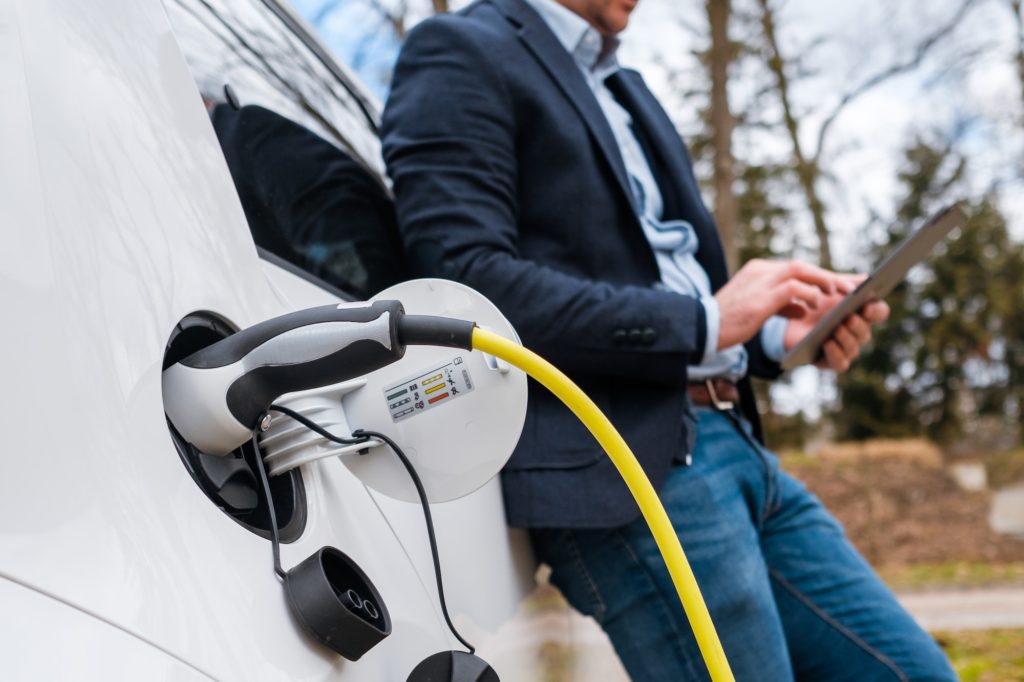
point(436, 377)
point(435, 389)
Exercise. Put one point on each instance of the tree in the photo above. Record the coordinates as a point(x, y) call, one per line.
point(1018, 20)
point(721, 123)
point(808, 162)
point(952, 350)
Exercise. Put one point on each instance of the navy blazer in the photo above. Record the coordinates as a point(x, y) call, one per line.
point(508, 178)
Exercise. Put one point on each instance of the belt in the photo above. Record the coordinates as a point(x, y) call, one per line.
point(720, 394)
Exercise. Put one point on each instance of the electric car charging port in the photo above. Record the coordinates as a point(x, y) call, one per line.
point(231, 481)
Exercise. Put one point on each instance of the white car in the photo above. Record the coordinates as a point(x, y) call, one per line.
point(124, 553)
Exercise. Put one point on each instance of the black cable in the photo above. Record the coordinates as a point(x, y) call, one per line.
point(313, 426)
point(362, 436)
point(430, 526)
point(275, 540)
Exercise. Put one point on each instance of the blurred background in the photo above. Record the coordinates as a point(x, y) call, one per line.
point(826, 132)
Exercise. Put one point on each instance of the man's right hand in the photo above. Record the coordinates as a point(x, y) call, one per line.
point(762, 288)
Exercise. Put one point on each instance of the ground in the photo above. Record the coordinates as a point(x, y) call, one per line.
point(929, 539)
point(901, 507)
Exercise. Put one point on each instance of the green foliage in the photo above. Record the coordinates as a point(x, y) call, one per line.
point(985, 655)
point(953, 348)
point(951, 574)
point(759, 214)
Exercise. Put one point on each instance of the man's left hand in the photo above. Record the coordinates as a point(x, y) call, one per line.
point(843, 347)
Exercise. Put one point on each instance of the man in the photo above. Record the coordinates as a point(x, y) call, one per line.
point(528, 165)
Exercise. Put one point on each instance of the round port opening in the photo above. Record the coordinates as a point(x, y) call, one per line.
point(231, 482)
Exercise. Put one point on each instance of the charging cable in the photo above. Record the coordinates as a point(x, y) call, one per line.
point(218, 395)
point(639, 485)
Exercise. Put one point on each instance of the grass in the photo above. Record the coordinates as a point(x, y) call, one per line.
point(951, 574)
point(985, 655)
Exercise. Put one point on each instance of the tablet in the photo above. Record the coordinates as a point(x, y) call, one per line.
point(883, 280)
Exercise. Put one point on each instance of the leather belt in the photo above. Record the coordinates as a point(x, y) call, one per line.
point(720, 394)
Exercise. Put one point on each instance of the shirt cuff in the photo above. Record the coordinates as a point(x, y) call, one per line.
point(712, 322)
point(773, 336)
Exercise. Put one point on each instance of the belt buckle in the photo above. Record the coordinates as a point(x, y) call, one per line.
point(720, 405)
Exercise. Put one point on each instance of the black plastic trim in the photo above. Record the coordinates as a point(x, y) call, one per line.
point(294, 269)
point(250, 396)
point(368, 109)
point(429, 330)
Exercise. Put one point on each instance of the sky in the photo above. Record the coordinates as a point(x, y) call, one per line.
point(966, 87)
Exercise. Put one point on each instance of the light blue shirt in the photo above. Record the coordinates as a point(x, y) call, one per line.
point(674, 242)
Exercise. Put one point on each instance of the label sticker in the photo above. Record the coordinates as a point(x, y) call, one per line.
point(428, 389)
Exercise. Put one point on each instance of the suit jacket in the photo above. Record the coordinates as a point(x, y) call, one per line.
point(508, 178)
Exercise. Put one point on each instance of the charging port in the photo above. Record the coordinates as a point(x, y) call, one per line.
point(231, 481)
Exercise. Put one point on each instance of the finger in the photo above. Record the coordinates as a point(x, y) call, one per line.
point(847, 341)
point(848, 283)
point(793, 290)
point(826, 280)
point(835, 357)
point(860, 328)
point(793, 310)
point(875, 311)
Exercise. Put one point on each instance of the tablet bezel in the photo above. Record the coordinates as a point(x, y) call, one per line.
point(884, 279)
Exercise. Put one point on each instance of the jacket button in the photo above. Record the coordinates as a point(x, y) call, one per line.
point(649, 335)
point(635, 337)
point(619, 337)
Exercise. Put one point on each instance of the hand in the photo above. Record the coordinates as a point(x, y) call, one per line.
point(762, 288)
point(843, 347)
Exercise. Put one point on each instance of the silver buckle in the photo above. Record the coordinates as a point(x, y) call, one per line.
point(720, 405)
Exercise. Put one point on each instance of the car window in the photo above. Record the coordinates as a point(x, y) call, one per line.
point(300, 139)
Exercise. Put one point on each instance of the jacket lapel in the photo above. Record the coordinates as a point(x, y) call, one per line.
point(680, 190)
point(562, 69)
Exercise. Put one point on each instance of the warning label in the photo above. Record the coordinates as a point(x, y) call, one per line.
point(429, 389)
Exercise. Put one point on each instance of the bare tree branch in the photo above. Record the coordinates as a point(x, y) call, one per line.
point(920, 52)
point(1018, 17)
point(806, 168)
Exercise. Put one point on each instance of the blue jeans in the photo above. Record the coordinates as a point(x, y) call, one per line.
point(790, 596)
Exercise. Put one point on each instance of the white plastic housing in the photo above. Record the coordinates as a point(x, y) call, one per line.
point(459, 442)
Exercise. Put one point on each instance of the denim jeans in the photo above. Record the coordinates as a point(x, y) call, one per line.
point(790, 596)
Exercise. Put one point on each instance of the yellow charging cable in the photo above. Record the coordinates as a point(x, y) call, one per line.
point(633, 474)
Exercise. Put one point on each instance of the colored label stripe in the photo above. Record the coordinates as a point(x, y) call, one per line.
point(436, 377)
point(434, 389)
point(395, 395)
point(438, 397)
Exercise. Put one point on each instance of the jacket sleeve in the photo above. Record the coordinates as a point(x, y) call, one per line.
point(758, 363)
point(450, 137)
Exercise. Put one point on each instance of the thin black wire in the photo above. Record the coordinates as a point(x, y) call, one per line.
point(275, 540)
point(430, 526)
point(362, 436)
point(313, 426)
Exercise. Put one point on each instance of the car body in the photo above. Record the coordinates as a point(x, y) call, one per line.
point(121, 220)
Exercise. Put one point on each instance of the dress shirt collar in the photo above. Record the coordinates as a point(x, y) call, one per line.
point(592, 52)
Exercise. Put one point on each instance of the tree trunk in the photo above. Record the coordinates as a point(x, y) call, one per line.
point(1015, 7)
point(722, 124)
point(806, 168)
point(440, 6)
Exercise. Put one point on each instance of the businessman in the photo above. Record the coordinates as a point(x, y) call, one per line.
point(529, 165)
